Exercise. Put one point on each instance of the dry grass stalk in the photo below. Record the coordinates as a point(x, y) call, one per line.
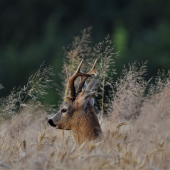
point(78, 50)
point(104, 51)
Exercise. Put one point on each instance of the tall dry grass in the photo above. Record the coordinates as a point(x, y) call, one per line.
point(136, 127)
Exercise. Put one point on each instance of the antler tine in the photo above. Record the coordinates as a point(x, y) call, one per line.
point(72, 79)
point(77, 73)
point(93, 70)
point(83, 78)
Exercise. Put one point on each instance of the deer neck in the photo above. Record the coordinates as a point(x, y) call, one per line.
point(86, 127)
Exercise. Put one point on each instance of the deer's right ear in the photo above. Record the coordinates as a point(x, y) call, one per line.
point(88, 92)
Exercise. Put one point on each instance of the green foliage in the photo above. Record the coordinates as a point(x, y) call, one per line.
point(34, 31)
point(121, 39)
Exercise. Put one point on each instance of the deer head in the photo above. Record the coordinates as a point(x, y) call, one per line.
point(77, 113)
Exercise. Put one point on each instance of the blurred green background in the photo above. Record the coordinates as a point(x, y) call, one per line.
point(33, 31)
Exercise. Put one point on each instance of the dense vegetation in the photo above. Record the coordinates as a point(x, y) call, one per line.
point(35, 31)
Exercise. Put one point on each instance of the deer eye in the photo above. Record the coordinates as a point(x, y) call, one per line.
point(63, 110)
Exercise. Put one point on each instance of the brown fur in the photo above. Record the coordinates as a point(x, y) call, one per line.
point(85, 126)
point(82, 121)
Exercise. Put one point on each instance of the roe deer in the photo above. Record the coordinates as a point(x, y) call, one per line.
point(77, 113)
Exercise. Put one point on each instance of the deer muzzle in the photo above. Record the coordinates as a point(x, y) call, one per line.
point(50, 121)
point(54, 120)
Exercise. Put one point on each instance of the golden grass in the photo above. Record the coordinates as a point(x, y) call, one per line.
point(33, 144)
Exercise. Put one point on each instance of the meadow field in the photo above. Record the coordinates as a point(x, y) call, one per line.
point(134, 114)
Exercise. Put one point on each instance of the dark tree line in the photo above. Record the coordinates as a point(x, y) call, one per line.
point(32, 31)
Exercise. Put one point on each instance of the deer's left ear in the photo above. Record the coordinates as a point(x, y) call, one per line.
point(88, 92)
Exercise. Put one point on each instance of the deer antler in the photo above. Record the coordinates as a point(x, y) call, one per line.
point(84, 76)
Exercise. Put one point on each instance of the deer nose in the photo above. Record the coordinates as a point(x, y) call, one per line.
point(51, 123)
